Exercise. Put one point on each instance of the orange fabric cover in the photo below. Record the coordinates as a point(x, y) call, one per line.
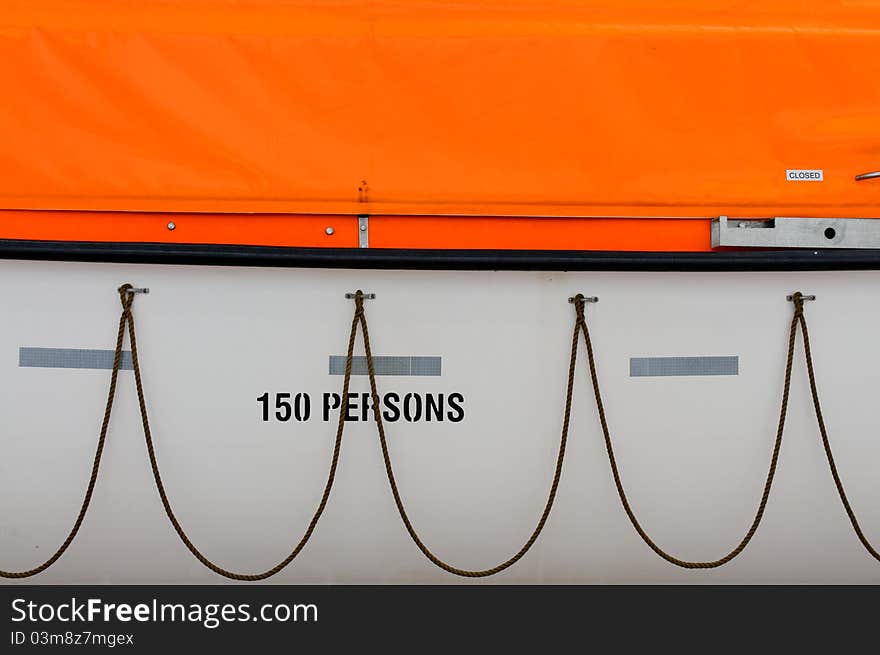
point(408, 232)
point(484, 108)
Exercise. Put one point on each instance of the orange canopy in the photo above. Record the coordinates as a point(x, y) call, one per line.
point(633, 108)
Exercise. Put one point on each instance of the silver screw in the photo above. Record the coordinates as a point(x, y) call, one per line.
point(329, 230)
point(363, 228)
point(171, 225)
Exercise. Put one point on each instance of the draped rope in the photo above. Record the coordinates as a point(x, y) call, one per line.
point(127, 298)
point(467, 573)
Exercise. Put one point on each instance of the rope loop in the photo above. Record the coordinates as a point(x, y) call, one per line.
point(126, 297)
point(774, 458)
point(580, 302)
point(358, 303)
point(360, 317)
point(157, 477)
point(798, 299)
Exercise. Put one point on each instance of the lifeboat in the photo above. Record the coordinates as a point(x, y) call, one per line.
point(406, 292)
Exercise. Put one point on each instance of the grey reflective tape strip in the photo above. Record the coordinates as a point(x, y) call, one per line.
point(669, 366)
point(71, 358)
point(388, 365)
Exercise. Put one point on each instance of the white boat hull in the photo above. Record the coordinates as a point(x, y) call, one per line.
point(693, 450)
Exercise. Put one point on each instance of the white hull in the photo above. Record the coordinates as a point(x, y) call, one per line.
point(693, 451)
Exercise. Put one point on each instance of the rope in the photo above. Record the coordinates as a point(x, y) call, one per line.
point(759, 514)
point(127, 298)
point(361, 316)
point(164, 496)
point(808, 355)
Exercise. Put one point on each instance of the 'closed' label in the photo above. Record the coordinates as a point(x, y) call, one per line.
point(804, 175)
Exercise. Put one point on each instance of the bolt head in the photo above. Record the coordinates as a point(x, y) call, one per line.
point(171, 225)
point(329, 230)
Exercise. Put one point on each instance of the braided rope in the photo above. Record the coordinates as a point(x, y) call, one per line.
point(127, 298)
point(248, 577)
point(820, 420)
point(759, 514)
point(361, 316)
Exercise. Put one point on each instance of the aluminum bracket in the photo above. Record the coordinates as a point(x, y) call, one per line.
point(786, 232)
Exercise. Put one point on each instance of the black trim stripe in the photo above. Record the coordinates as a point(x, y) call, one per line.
point(378, 258)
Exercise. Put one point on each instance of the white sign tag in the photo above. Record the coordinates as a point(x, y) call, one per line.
point(804, 175)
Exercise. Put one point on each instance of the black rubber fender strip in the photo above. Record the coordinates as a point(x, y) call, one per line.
point(475, 260)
